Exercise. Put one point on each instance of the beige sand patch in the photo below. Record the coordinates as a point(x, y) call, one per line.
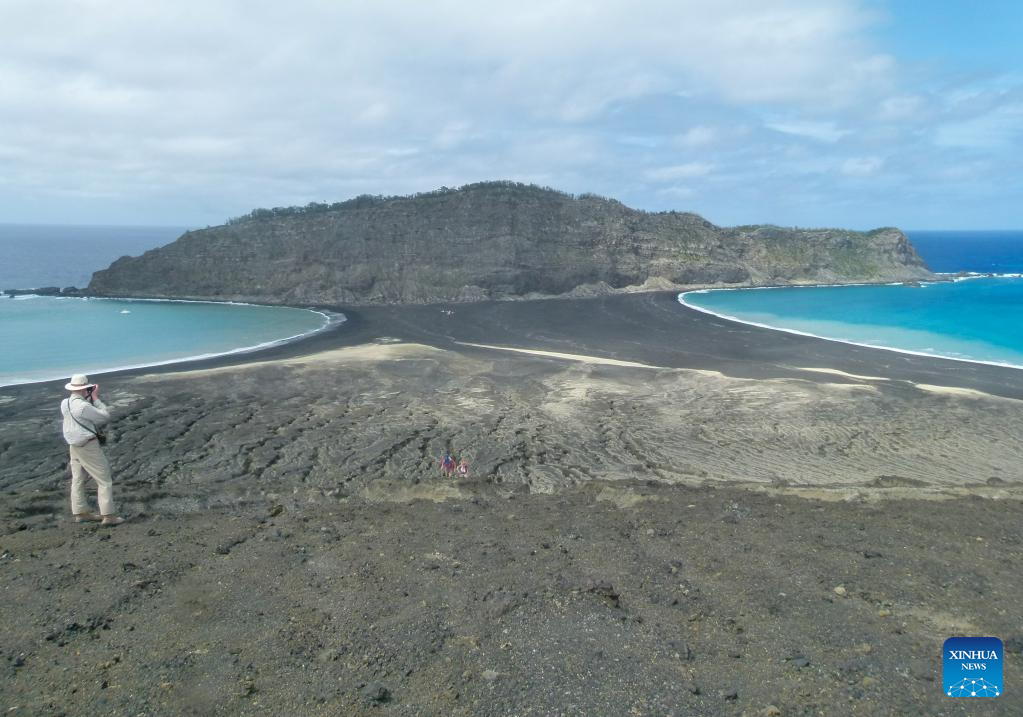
point(623, 497)
point(943, 623)
point(363, 353)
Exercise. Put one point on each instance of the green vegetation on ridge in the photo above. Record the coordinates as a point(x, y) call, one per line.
point(490, 240)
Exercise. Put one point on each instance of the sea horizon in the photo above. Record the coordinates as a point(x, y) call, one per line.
point(36, 256)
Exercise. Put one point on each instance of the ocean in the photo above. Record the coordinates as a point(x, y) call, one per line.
point(37, 255)
point(948, 252)
point(973, 319)
point(45, 338)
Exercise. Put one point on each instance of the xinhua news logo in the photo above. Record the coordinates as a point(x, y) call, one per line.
point(972, 667)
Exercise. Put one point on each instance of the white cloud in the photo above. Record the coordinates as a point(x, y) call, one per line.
point(820, 131)
point(177, 111)
point(688, 170)
point(998, 128)
point(648, 141)
point(698, 136)
point(861, 166)
point(452, 134)
point(373, 113)
point(901, 108)
point(964, 171)
point(676, 192)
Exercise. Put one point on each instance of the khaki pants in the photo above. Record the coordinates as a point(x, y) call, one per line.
point(90, 457)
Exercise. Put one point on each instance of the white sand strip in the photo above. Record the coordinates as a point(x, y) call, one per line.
point(960, 392)
point(568, 357)
point(836, 372)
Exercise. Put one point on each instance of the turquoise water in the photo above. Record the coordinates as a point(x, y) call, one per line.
point(977, 319)
point(43, 338)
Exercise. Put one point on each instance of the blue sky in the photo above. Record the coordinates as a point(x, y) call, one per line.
point(795, 112)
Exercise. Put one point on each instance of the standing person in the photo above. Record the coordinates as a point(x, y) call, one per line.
point(84, 415)
point(463, 468)
point(447, 465)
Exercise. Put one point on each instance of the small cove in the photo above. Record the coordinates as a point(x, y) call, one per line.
point(972, 320)
point(46, 338)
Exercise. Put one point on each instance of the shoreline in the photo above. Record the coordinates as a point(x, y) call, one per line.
point(256, 352)
point(667, 513)
point(652, 328)
point(849, 342)
point(333, 319)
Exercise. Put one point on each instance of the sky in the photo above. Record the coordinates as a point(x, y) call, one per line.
point(851, 113)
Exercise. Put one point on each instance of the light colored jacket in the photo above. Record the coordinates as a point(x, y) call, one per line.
point(92, 416)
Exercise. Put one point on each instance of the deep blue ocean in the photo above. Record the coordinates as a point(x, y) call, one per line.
point(975, 319)
point(43, 338)
point(947, 252)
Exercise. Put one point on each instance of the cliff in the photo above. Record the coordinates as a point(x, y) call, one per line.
point(491, 240)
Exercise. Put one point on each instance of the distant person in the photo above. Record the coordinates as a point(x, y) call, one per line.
point(84, 417)
point(447, 465)
point(463, 468)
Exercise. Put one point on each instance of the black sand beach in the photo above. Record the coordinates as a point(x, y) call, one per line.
point(650, 328)
point(674, 515)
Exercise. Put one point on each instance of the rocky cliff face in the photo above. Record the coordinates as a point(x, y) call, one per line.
point(493, 240)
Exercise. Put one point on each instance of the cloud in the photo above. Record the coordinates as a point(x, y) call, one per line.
point(688, 170)
point(188, 111)
point(861, 166)
point(698, 136)
point(676, 192)
point(999, 128)
point(820, 131)
point(901, 108)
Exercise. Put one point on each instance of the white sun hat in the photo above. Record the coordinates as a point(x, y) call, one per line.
point(79, 382)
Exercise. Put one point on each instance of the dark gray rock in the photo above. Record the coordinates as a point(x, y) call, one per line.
point(606, 591)
point(681, 649)
point(376, 693)
point(924, 670)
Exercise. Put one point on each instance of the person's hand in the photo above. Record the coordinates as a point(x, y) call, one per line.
point(95, 392)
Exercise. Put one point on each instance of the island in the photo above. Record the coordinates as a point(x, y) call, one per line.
point(665, 512)
point(494, 240)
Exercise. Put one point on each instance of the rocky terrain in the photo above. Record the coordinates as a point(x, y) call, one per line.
point(491, 241)
point(667, 515)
